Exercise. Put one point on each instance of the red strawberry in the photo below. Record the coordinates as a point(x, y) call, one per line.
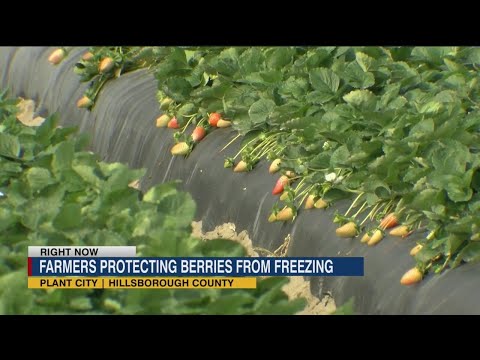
point(389, 221)
point(180, 149)
point(106, 65)
point(173, 123)
point(411, 277)
point(198, 134)
point(279, 186)
point(213, 119)
point(57, 56)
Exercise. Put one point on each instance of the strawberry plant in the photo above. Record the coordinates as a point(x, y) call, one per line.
point(53, 192)
point(391, 129)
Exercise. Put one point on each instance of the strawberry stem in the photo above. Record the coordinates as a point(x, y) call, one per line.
point(306, 192)
point(447, 260)
point(360, 210)
point(243, 148)
point(188, 123)
point(266, 150)
point(231, 142)
point(369, 215)
point(354, 203)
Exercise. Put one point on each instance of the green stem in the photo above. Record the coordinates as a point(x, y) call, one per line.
point(244, 147)
point(370, 213)
point(382, 205)
point(360, 210)
point(354, 203)
point(230, 143)
point(186, 125)
point(298, 187)
point(305, 193)
point(266, 150)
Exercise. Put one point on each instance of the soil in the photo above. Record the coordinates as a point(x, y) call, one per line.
point(296, 288)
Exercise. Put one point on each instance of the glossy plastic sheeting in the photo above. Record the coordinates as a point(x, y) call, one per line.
point(122, 128)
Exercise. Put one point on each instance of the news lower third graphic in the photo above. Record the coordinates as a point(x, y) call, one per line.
point(118, 267)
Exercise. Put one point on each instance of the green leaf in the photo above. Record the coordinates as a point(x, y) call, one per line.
point(90, 174)
point(7, 218)
point(260, 111)
point(366, 62)
point(362, 99)
point(356, 77)
point(120, 176)
point(9, 146)
point(340, 157)
point(63, 157)
point(346, 308)
point(159, 192)
point(220, 247)
point(294, 87)
point(325, 82)
point(320, 161)
point(42, 208)
point(38, 178)
point(277, 58)
point(230, 304)
point(335, 195)
point(46, 130)
point(426, 199)
point(422, 128)
point(451, 158)
point(457, 187)
point(69, 217)
point(470, 254)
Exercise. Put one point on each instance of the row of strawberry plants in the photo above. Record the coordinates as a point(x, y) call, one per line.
point(52, 192)
point(394, 129)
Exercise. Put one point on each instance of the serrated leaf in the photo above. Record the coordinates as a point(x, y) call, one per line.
point(63, 157)
point(362, 99)
point(69, 217)
point(157, 193)
point(358, 78)
point(9, 146)
point(38, 178)
point(366, 62)
point(261, 110)
point(325, 82)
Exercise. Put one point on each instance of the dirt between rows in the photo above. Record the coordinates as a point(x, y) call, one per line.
point(298, 287)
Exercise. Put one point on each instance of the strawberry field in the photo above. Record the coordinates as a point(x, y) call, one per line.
point(347, 151)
